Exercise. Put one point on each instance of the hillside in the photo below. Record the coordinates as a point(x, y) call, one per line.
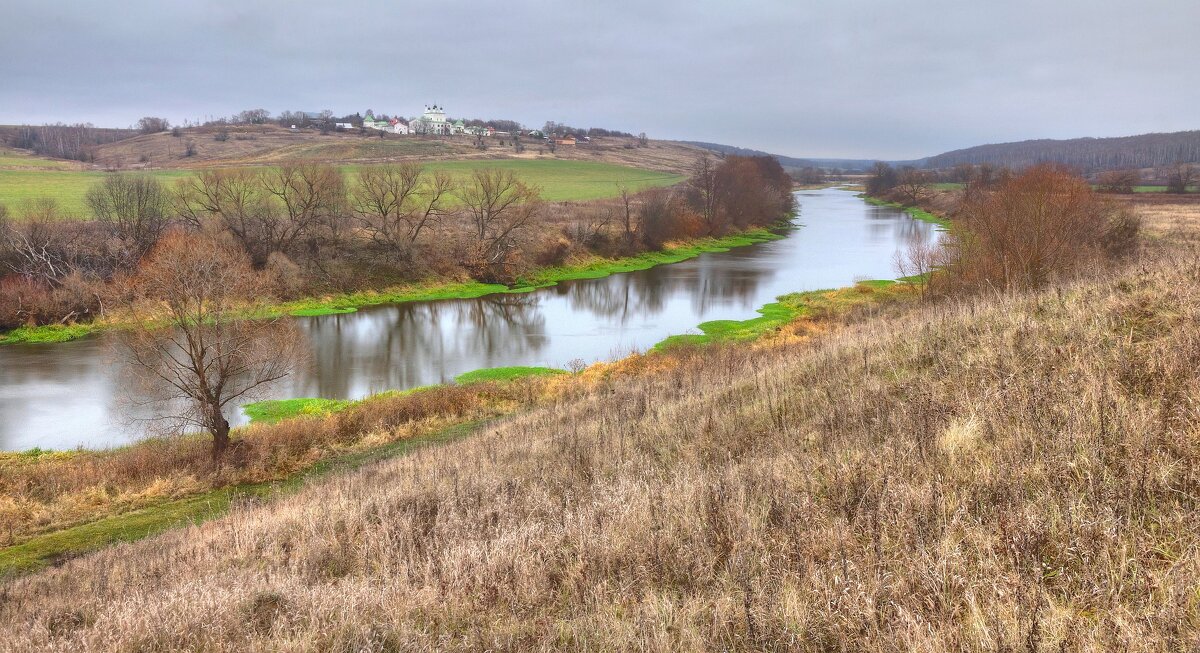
point(270, 145)
point(582, 172)
point(1086, 154)
point(1009, 473)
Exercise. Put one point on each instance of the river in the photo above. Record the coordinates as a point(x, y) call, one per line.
point(66, 395)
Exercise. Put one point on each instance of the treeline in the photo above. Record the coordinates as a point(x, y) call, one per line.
point(552, 128)
point(77, 142)
point(1088, 155)
point(307, 229)
point(910, 184)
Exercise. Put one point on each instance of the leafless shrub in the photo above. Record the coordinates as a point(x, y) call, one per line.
point(1042, 223)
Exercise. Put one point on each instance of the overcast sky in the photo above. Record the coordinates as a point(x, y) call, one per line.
point(846, 78)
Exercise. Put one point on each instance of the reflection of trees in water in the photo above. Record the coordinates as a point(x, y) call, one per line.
point(407, 345)
point(884, 222)
point(721, 282)
point(501, 324)
point(643, 294)
point(911, 230)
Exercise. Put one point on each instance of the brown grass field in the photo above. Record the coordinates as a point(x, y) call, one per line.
point(1008, 473)
point(271, 145)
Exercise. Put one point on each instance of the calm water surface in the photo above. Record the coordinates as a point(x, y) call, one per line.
point(65, 395)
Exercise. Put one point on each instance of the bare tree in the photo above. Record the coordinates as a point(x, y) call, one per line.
point(705, 191)
point(252, 117)
point(38, 250)
point(918, 260)
point(187, 345)
point(627, 218)
point(310, 201)
point(236, 201)
point(1033, 226)
point(501, 208)
point(396, 203)
point(1118, 181)
point(913, 185)
point(1180, 177)
point(136, 209)
point(656, 217)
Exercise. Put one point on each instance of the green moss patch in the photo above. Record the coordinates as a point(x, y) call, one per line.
point(505, 374)
point(274, 410)
point(773, 316)
point(47, 333)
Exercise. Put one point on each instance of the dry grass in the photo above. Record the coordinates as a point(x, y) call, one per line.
point(1013, 473)
point(51, 491)
point(272, 145)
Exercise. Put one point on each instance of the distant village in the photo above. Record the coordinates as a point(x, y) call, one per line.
point(434, 122)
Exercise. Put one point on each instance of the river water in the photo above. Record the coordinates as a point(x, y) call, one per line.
point(65, 395)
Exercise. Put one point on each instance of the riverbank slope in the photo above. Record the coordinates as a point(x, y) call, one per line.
point(956, 475)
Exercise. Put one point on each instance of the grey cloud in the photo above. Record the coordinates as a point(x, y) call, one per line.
point(860, 78)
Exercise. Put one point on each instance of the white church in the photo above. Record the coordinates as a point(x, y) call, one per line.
point(433, 121)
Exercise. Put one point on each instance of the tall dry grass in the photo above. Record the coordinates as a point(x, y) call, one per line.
point(47, 492)
point(1013, 472)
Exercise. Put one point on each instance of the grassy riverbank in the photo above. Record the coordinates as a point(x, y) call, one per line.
point(290, 440)
point(59, 545)
point(951, 476)
point(589, 268)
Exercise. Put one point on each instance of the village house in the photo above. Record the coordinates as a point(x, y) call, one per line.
point(399, 126)
point(371, 122)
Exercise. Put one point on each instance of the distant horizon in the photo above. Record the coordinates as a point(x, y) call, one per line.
point(188, 122)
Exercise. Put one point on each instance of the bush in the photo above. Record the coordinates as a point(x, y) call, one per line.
point(1040, 224)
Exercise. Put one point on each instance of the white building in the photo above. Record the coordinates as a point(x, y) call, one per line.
point(399, 126)
point(433, 121)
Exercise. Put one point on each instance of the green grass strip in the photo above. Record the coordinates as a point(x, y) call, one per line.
point(274, 410)
point(49, 333)
point(772, 316)
point(505, 374)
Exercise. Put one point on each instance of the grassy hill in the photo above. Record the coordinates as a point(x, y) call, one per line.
point(560, 180)
point(583, 172)
point(1009, 473)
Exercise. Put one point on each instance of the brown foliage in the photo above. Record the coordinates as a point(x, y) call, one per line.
point(1119, 181)
point(189, 344)
point(1042, 223)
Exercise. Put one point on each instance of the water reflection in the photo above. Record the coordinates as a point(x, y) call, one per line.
point(60, 396)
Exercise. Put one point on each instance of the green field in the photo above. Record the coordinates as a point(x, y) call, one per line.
point(559, 180)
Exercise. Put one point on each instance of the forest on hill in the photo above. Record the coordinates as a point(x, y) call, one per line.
point(1086, 154)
